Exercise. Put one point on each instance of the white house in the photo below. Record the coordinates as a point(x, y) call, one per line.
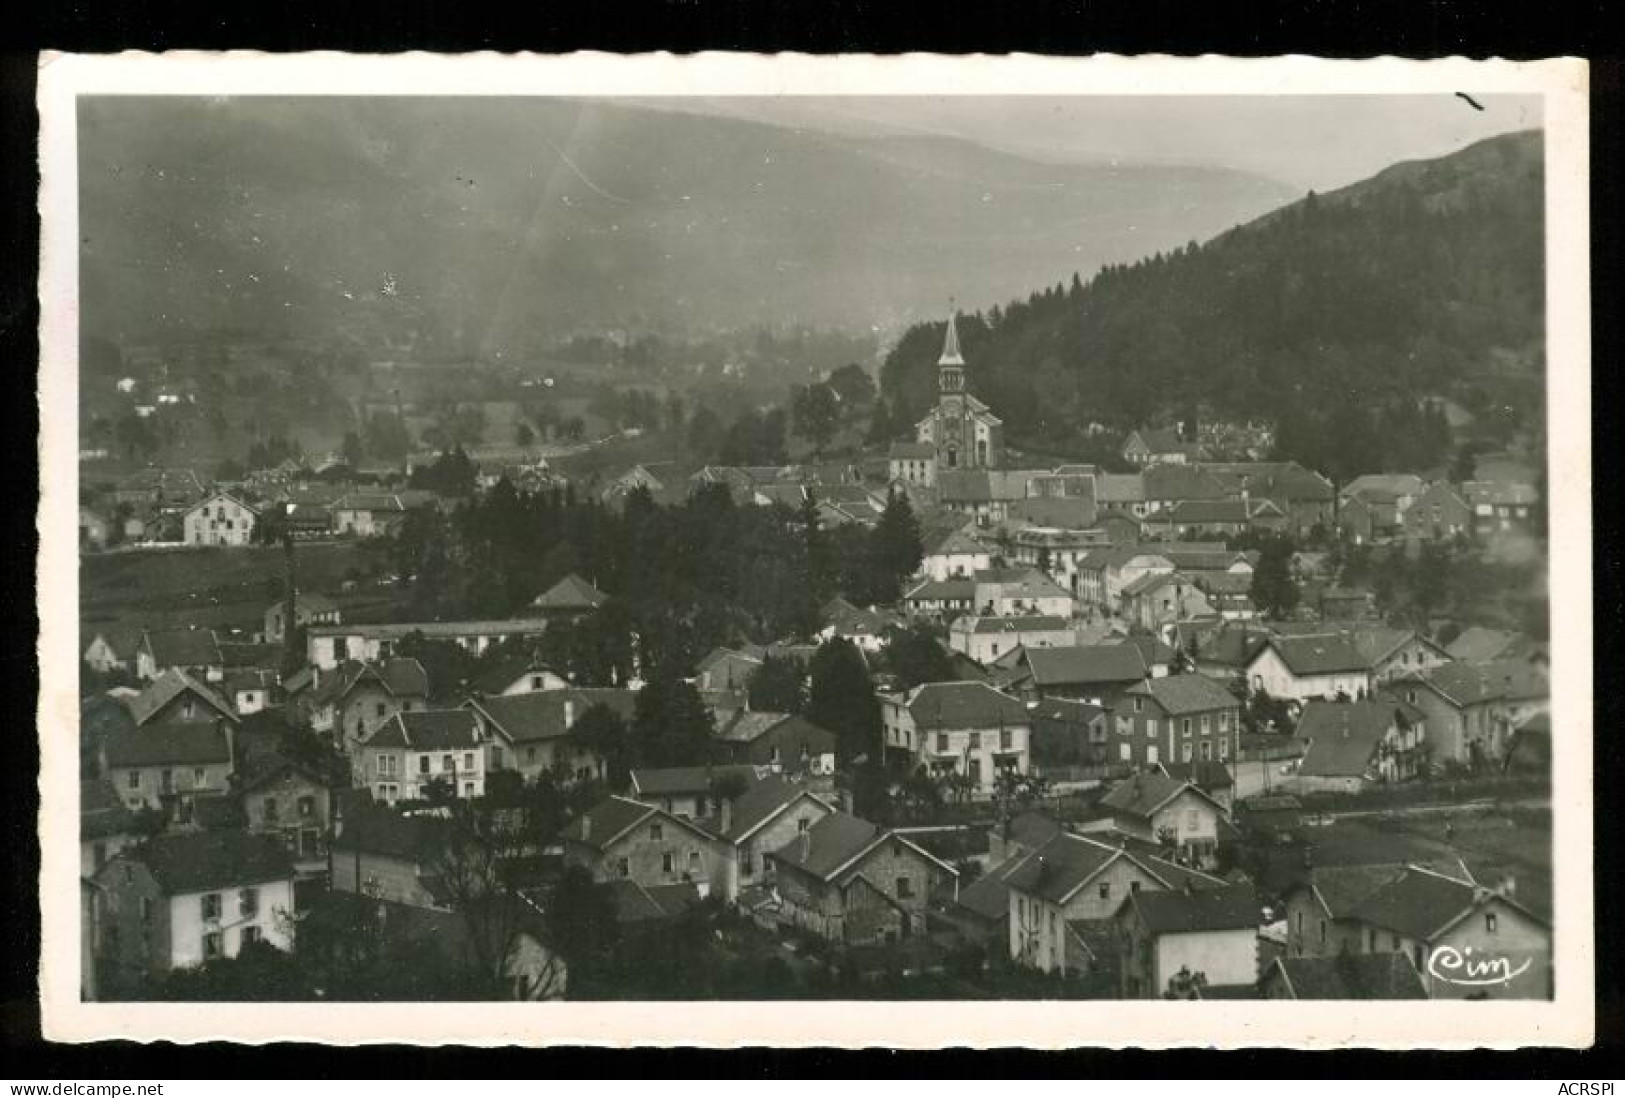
point(1303, 668)
point(985, 639)
point(959, 730)
point(220, 519)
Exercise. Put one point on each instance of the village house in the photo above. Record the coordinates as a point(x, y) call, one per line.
point(985, 639)
point(221, 519)
point(170, 766)
point(1121, 496)
point(691, 792)
point(1372, 507)
point(1175, 815)
point(1003, 592)
point(1058, 551)
point(535, 733)
point(912, 463)
point(1211, 933)
point(759, 821)
point(177, 697)
point(850, 882)
point(728, 668)
point(1438, 514)
point(1501, 506)
point(782, 742)
point(1159, 446)
point(195, 651)
point(1176, 719)
point(388, 857)
point(521, 673)
point(1302, 668)
point(1068, 736)
point(412, 751)
point(292, 802)
point(330, 645)
point(985, 495)
point(1395, 653)
point(570, 599)
point(963, 731)
point(1229, 595)
point(1061, 896)
point(1349, 745)
point(251, 691)
point(106, 825)
point(867, 629)
point(1159, 599)
point(1097, 673)
point(113, 649)
point(1213, 778)
point(1477, 644)
point(310, 608)
point(1305, 497)
point(940, 599)
point(1214, 518)
point(177, 901)
point(1104, 573)
point(1466, 940)
point(1471, 708)
point(368, 514)
point(354, 699)
point(623, 839)
point(94, 530)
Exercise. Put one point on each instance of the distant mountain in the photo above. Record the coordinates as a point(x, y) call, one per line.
point(478, 225)
point(1427, 279)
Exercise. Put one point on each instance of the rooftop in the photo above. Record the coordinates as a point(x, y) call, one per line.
point(201, 861)
point(1177, 911)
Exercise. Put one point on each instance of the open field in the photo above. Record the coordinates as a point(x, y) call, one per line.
point(214, 587)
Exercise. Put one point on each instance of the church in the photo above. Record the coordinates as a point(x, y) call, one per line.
point(959, 433)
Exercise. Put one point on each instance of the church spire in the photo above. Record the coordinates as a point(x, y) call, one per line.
point(950, 343)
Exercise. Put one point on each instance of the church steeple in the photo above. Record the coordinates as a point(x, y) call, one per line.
point(951, 366)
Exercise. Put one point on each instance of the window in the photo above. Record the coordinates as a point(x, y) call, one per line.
point(1151, 728)
point(1207, 750)
point(379, 709)
point(307, 807)
point(774, 755)
point(211, 946)
point(249, 903)
point(1152, 755)
point(624, 867)
point(134, 779)
point(448, 763)
point(535, 682)
point(146, 911)
point(1323, 932)
point(747, 863)
point(905, 888)
point(423, 764)
point(1185, 726)
point(198, 778)
point(803, 824)
point(1185, 753)
point(270, 810)
point(211, 906)
point(1139, 705)
point(1006, 739)
point(1191, 818)
point(1489, 922)
point(693, 861)
point(1396, 943)
point(1207, 724)
point(1105, 890)
point(656, 832)
point(975, 741)
point(468, 760)
point(1224, 747)
point(530, 755)
point(251, 934)
point(665, 862)
point(1224, 721)
point(468, 790)
point(166, 781)
point(1134, 886)
point(942, 742)
point(1124, 725)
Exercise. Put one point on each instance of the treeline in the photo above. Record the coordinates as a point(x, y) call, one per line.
point(682, 579)
point(1374, 298)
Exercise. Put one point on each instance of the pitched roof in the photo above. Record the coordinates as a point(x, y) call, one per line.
point(250, 656)
point(572, 593)
point(761, 802)
point(382, 829)
point(682, 781)
point(1021, 583)
point(1120, 488)
point(1087, 663)
point(1342, 887)
point(944, 705)
point(1209, 775)
point(636, 903)
point(1180, 482)
point(1418, 903)
point(949, 590)
point(1320, 654)
point(1500, 493)
point(1351, 976)
point(1342, 737)
point(1477, 644)
point(1384, 484)
point(1143, 793)
point(1177, 694)
point(399, 676)
point(427, 730)
point(1463, 683)
point(750, 725)
point(170, 685)
point(200, 861)
point(912, 450)
point(1061, 866)
point(607, 820)
point(1017, 623)
point(182, 647)
point(529, 718)
point(829, 845)
point(1176, 911)
point(502, 674)
point(847, 618)
point(101, 811)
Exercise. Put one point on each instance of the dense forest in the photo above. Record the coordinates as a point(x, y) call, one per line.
point(1328, 315)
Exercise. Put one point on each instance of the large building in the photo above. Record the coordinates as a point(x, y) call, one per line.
point(961, 431)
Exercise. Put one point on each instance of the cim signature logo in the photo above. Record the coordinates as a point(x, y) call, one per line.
point(1462, 968)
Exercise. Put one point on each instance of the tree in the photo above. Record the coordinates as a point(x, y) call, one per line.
point(1274, 592)
point(582, 923)
point(524, 435)
point(915, 655)
point(898, 546)
point(601, 730)
point(671, 725)
point(352, 449)
point(448, 665)
point(776, 686)
point(853, 385)
point(842, 699)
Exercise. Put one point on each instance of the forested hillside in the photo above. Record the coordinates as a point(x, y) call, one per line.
point(1332, 317)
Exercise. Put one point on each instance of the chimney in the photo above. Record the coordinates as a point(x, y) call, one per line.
point(569, 713)
point(726, 815)
point(1508, 888)
point(586, 827)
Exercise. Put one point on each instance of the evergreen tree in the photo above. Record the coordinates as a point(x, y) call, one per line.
point(898, 546)
point(842, 699)
point(916, 656)
point(1274, 592)
point(670, 724)
point(600, 729)
point(776, 686)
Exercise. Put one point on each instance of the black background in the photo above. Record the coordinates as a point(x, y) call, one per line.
point(1434, 28)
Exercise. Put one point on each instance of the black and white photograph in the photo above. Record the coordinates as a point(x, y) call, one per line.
point(1003, 548)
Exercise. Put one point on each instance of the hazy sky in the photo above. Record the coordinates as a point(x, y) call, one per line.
point(1319, 142)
